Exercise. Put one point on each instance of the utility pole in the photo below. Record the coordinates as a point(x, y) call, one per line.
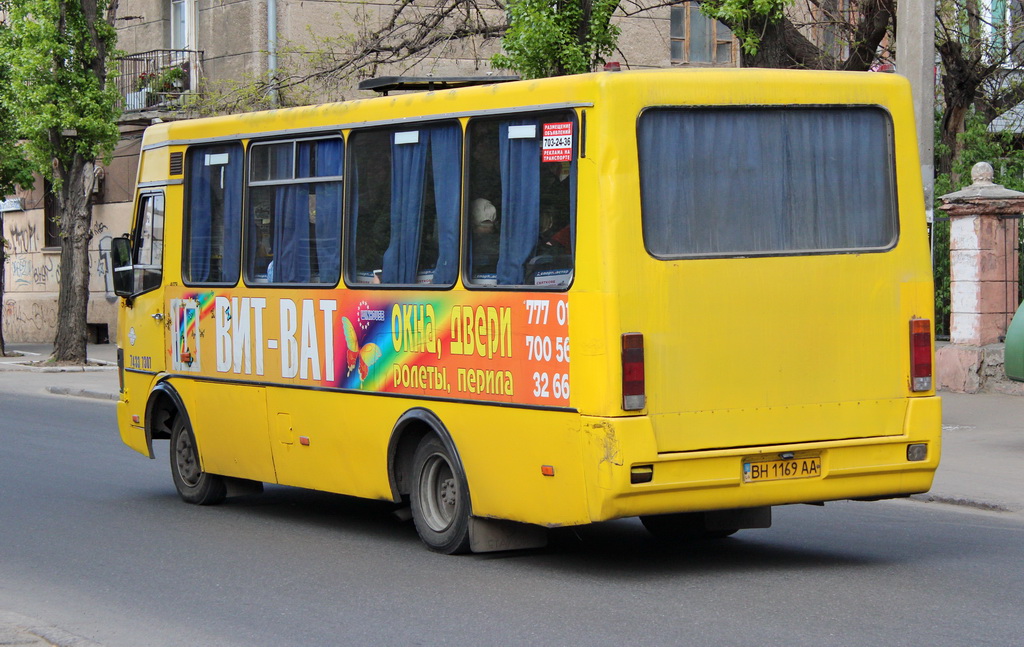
point(915, 59)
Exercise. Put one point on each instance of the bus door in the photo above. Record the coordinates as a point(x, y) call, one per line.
point(145, 320)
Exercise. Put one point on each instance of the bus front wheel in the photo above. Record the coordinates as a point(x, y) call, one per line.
point(193, 484)
point(440, 498)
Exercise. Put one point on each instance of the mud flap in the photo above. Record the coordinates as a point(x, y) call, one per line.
point(491, 535)
point(242, 487)
point(738, 519)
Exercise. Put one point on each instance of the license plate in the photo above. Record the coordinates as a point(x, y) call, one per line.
point(793, 468)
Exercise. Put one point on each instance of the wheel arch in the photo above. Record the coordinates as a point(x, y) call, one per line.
point(410, 429)
point(163, 406)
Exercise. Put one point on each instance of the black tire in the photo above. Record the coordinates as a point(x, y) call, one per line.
point(193, 485)
point(440, 498)
point(682, 526)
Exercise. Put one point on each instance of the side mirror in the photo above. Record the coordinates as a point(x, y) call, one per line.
point(121, 255)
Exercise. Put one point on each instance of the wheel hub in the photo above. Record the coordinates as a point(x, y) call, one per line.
point(185, 460)
point(448, 492)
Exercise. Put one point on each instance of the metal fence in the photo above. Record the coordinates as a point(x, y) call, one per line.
point(159, 79)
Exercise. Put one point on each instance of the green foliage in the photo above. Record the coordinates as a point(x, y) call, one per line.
point(14, 168)
point(979, 145)
point(745, 17)
point(48, 48)
point(554, 38)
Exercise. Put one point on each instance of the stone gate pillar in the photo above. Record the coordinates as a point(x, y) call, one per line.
point(983, 276)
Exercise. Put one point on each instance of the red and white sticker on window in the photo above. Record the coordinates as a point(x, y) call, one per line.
point(556, 145)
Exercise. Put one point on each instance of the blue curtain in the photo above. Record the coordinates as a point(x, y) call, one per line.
point(328, 209)
point(200, 218)
point(204, 181)
point(446, 148)
point(765, 181)
point(230, 267)
point(520, 202)
point(291, 224)
point(408, 166)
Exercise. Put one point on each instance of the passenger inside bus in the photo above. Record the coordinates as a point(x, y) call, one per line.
point(551, 262)
point(485, 237)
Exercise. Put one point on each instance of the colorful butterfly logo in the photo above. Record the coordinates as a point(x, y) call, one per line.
point(365, 356)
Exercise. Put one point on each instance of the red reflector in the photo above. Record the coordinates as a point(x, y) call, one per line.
point(547, 470)
point(304, 440)
point(920, 355)
point(633, 386)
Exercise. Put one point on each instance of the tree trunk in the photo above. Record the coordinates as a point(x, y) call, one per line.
point(964, 72)
point(75, 233)
point(75, 175)
point(772, 52)
point(954, 120)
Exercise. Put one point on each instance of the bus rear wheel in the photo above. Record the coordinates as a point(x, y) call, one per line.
point(682, 526)
point(193, 484)
point(440, 498)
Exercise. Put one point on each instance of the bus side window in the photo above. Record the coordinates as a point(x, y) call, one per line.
point(213, 214)
point(521, 209)
point(294, 226)
point(404, 205)
point(149, 246)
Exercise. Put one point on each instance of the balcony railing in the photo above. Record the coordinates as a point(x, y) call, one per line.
point(159, 79)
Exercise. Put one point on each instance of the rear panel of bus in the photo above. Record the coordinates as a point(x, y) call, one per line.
point(766, 247)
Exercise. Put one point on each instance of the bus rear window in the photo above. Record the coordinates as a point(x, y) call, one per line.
point(766, 181)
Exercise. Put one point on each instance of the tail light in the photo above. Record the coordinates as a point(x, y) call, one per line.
point(920, 355)
point(633, 387)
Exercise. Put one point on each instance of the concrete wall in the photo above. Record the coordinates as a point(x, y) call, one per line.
point(232, 34)
point(644, 40)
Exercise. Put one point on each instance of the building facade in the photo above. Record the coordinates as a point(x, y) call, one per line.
point(189, 56)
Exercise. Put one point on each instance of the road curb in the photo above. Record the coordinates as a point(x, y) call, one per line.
point(32, 633)
point(18, 366)
point(81, 393)
point(962, 502)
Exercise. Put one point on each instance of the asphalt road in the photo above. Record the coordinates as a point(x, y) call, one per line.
point(94, 540)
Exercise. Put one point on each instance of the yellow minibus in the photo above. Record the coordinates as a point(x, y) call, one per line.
point(376, 298)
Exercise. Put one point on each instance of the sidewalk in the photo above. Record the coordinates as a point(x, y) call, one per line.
point(22, 631)
point(96, 381)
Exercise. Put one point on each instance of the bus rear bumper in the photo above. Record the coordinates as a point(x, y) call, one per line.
point(629, 478)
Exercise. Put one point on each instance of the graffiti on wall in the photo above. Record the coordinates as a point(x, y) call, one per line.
point(33, 316)
point(103, 265)
point(48, 271)
point(26, 274)
point(23, 239)
point(21, 270)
